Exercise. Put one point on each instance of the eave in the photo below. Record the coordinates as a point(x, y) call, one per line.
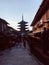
point(43, 8)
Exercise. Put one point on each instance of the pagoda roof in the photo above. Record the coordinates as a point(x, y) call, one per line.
point(41, 11)
point(21, 28)
point(21, 22)
point(3, 21)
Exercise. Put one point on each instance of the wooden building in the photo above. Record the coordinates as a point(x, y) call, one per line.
point(41, 18)
point(39, 44)
point(8, 35)
point(3, 25)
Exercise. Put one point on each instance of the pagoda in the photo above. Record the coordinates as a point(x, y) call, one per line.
point(23, 26)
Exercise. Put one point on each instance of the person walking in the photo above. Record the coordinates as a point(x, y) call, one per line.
point(45, 40)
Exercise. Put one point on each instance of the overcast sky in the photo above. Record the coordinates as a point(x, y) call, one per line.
point(12, 10)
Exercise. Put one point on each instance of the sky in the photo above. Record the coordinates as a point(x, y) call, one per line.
point(12, 10)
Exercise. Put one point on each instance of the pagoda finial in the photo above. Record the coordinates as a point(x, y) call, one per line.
point(22, 16)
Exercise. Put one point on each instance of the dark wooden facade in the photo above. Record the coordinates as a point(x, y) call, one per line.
point(8, 35)
point(37, 42)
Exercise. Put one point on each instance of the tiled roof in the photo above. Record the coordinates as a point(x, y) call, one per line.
point(43, 8)
point(3, 21)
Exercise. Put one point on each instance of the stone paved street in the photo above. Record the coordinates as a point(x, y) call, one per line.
point(18, 56)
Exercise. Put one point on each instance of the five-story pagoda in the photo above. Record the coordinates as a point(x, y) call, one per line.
point(23, 27)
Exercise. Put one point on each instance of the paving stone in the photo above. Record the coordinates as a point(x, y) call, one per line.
point(18, 56)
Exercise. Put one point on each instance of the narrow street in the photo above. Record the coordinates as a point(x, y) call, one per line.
point(18, 56)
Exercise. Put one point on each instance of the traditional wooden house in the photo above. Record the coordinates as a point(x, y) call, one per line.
point(40, 21)
point(12, 35)
point(3, 25)
point(38, 45)
point(8, 35)
point(3, 37)
point(41, 18)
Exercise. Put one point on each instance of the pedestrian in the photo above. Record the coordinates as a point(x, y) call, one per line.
point(45, 40)
point(24, 42)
